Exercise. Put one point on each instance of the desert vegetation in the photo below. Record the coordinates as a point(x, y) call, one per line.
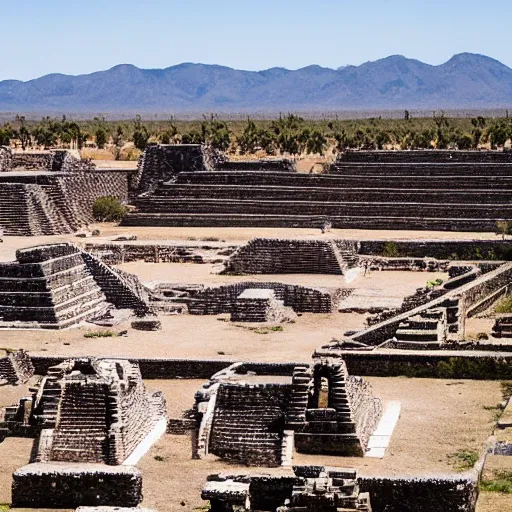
point(288, 134)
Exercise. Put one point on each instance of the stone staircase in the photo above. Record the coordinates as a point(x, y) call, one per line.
point(82, 424)
point(397, 190)
point(246, 427)
point(427, 329)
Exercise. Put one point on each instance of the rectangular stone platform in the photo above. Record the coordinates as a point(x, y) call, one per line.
point(62, 485)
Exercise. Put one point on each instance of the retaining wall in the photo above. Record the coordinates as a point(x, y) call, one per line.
point(69, 486)
point(443, 365)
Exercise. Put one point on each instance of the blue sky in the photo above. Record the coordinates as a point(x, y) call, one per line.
point(76, 37)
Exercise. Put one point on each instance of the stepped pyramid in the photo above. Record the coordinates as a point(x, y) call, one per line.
point(90, 410)
point(331, 412)
point(58, 286)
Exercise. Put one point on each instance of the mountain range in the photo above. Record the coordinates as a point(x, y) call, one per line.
point(396, 82)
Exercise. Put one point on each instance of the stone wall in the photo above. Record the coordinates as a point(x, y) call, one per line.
point(53, 486)
point(283, 165)
point(426, 155)
point(161, 162)
point(465, 365)
point(423, 494)
point(276, 256)
point(267, 492)
point(223, 299)
point(5, 158)
point(187, 252)
point(439, 249)
point(32, 161)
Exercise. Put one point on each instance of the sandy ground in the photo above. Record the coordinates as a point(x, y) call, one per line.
point(495, 501)
point(196, 337)
point(395, 283)
point(115, 164)
point(443, 415)
point(238, 235)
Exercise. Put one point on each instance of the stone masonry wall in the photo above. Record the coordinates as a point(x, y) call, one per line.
point(53, 486)
point(274, 256)
point(222, 299)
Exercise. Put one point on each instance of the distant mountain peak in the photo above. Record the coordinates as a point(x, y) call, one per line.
point(467, 80)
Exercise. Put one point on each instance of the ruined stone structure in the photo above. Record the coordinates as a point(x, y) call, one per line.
point(285, 256)
point(16, 367)
point(260, 305)
point(437, 317)
point(309, 489)
point(41, 486)
point(217, 300)
point(163, 162)
point(330, 411)
point(52, 193)
point(502, 327)
point(94, 411)
point(55, 160)
point(257, 424)
point(89, 416)
point(408, 191)
point(57, 286)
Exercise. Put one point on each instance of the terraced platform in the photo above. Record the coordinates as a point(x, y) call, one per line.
point(424, 190)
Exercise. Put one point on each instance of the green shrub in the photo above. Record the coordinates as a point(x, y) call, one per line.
point(504, 305)
point(463, 459)
point(501, 482)
point(100, 334)
point(108, 209)
point(390, 250)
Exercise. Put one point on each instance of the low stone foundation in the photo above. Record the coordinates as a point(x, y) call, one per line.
point(71, 485)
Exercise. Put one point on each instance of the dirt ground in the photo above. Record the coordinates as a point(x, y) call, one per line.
point(495, 501)
point(238, 235)
point(195, 337)
point(443, 415)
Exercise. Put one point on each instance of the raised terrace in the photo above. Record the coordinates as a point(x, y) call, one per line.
point(434, 190)
point(49, 193)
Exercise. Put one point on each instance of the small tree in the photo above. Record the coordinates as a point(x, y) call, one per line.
point(23, 133)
point(504, 227)
point(140, 134)
point(6, 134)
point(101, 138)
point(316, 143)
point(108, 209)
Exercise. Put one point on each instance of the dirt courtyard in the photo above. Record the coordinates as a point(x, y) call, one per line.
point(438, 418)
point(234, 235)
